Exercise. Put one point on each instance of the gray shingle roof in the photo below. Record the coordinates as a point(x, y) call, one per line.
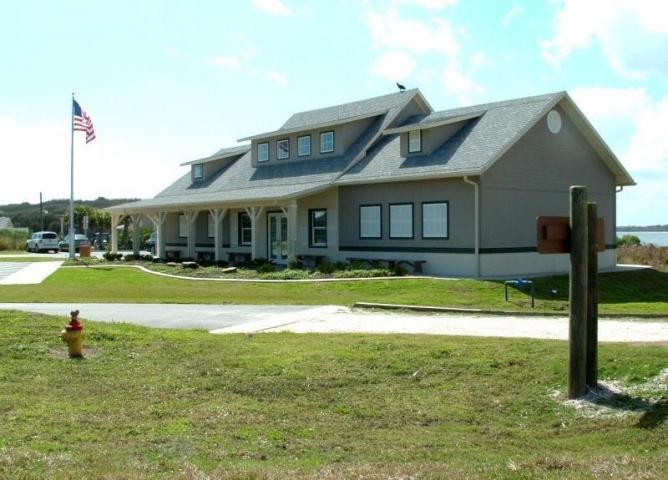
point(491, 129)
point(488, 131)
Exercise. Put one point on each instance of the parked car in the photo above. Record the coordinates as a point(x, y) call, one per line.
point(79, 240)
point(100, 240)
point(150, 243)
point(42, 242)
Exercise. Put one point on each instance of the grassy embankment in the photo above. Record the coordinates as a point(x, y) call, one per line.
point(149, 403)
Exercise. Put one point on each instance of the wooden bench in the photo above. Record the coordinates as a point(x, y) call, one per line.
point(310, 262)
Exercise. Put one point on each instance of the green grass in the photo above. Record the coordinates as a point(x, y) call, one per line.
point(150, 403)
point(636, 292)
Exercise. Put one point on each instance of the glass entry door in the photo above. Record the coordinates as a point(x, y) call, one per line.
point(278, 237)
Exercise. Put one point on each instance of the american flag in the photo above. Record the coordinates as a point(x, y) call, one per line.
point(82, 122)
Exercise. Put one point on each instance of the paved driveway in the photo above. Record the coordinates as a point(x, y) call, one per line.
point(337, 319)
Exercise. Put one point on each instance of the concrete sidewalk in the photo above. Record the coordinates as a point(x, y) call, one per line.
point(26, 273)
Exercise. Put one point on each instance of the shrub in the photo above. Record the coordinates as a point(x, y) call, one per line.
point(628, 240)
point(357, 265)
point(293, 263)
point(266, 268)
point(364, 273)
point(288, 274)
point(399, 271)
point(326, 267)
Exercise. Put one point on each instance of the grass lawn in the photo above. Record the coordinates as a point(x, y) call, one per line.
point(636, 292)
point(148, 403)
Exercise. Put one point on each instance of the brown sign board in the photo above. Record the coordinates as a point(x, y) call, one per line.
point(554, 234)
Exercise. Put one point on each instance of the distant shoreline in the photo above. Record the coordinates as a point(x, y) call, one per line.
point(650, 228)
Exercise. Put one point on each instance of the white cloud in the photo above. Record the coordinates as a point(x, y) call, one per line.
point(648, 149)
point(277, 77)
point(428, 4)
point(230, 62)
point(395, 66)
point(516, 10)
point(389, 29)
point(273, 7)
point(632, 34)
point(172, 51)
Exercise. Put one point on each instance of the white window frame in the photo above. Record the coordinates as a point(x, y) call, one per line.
point(370, 221)
point(183, 226)
point(435, 220)
point(263, 152)
point(283, 149)
point(324, 135)
point(304, 146)
point(243, 229)
point(414, 141)
point(313, 228)
point(198, 171)
point(401, 220)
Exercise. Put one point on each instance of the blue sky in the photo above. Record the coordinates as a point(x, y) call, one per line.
point(168, 81)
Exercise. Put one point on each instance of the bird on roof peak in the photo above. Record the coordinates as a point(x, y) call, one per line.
point(401, 87)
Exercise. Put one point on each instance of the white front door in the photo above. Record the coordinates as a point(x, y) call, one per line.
point(278, 237)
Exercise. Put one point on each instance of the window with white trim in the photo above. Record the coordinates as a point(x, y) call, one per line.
point(435, 220)
point(370, 221)
point(245, 229)
point(263, 152)
point(401, 220)
point(210, 226)
point(317, 231)
point(414, 141)
point(283, 149)
point(198, 171)
point(183, 226)
point(327, 142)
point(304, 146)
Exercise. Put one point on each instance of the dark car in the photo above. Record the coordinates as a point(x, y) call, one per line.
point(100, 240)
point(150, 243)
point(79, 240)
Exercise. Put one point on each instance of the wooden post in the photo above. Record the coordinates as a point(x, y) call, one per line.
point(592, 301)
point(578, 294)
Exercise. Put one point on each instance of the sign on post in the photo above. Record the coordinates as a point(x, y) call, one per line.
point(554, 234)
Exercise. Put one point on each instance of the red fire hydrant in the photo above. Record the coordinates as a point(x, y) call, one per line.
point(72, 335)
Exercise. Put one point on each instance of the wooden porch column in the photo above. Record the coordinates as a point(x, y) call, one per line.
point(136, 220)
point(290, 212)
point(191, 217)
point(115, 220)
point(254, 214)
point(218, 215)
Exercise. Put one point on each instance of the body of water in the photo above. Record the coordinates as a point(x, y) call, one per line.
point(660, 239)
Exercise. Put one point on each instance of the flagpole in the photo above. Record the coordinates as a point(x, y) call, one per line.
point(71, 229)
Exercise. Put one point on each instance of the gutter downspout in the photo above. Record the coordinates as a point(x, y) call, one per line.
point(476, 220)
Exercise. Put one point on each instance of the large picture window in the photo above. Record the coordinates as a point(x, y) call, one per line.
point(401, 220)
point(183, 226)
point(326, 142)
point(263, 152)
point(317, 231)
point(283, 149)
point(304, 146)
point(414, 141)
point(435, 220)
point(370, 221)
point(245, 229)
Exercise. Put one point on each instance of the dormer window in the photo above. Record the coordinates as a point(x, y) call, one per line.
point(198, 171)
point(414, 141)
point(263, 152)
point(283, 149)
point(304, 146)
point(326, 142)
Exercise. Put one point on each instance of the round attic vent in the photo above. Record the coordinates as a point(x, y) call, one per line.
point(554, 121)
